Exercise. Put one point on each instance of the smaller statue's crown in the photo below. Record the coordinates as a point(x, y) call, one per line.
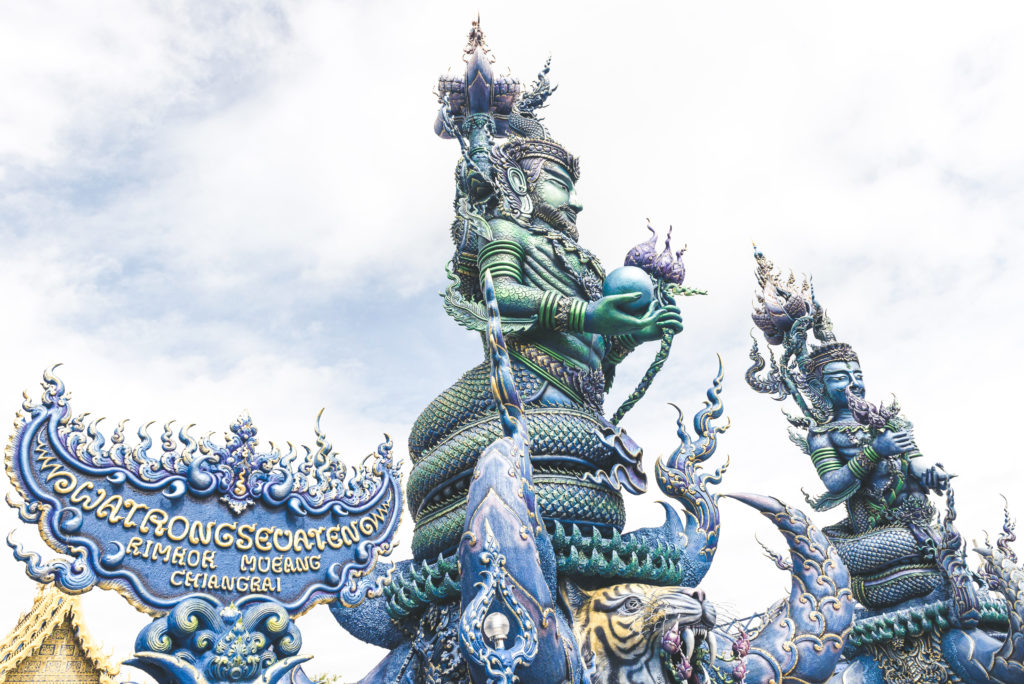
point(827, 353)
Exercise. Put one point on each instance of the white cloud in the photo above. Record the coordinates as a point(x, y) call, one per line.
point(207, 210)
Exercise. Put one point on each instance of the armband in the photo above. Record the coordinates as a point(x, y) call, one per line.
point(502, 258)
point(826, 460)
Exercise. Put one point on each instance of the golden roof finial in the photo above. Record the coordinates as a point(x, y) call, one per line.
point(476, 38)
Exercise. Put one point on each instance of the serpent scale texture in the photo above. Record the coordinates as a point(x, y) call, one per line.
point(874, 550)
point(886, 563)
point(452, 432)
point(560, 497)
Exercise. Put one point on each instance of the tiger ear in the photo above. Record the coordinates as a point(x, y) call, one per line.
point(572, 595)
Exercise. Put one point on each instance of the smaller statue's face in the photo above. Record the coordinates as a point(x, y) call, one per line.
point(555, 192)
point(836, 376)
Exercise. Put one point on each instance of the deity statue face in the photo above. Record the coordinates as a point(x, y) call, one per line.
point(555, 199)
point(836, 376)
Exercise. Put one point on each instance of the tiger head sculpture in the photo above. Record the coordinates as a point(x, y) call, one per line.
point(641, 632)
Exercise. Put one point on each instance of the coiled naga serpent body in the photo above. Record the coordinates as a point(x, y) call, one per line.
point(572, 448)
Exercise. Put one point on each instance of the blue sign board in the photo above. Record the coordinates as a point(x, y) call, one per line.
point(189, 518)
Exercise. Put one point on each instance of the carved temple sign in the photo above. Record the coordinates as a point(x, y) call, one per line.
point(189, 518)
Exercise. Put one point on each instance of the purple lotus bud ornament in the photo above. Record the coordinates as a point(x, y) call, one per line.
point(741, 646)
point(670, 641)
point(739, 671)
point(644, 254)
point(684, 669)
point(668, 266)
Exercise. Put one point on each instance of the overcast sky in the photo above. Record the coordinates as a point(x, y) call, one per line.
point(211, 207)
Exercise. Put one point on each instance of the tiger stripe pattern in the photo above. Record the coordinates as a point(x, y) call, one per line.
point(619, 628)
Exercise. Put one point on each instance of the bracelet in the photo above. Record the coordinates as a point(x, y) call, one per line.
point(864, 462)
point(577, 315)
point(619, 346)
point(546, 309)
point(570, 314)
point(826, 460)
point(856, 469)
point(561, 314)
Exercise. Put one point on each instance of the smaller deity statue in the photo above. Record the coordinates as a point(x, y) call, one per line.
point(866, 456)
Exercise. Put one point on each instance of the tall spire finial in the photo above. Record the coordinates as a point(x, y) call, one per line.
point(476, 38)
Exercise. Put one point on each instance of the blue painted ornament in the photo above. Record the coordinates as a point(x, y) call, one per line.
point(628, 279)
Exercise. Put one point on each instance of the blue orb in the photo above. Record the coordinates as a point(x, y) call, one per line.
point(629, 279)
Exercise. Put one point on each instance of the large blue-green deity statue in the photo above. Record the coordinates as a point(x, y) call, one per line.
point(564, 334)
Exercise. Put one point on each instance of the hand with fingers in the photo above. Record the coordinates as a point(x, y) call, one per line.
point(934, 478)
point(609, 315)
point(669, 317)
point(891, 443)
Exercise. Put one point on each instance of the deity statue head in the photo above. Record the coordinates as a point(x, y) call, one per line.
point(537, 178)
point(530, 175)
point(831, 369)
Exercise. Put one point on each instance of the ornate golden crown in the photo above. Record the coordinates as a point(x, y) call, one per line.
point(827, 353)
point(518, 149)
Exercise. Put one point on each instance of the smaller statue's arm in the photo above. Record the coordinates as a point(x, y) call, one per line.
point(837, 476)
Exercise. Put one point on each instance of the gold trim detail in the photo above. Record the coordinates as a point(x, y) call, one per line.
point(50, 610)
